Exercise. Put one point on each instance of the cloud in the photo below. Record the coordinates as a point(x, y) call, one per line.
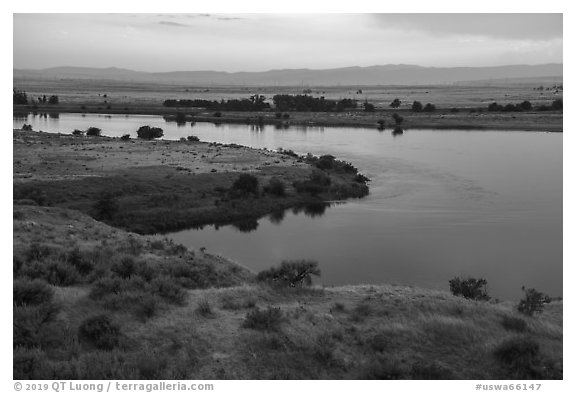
point(175, 24)
point(500, 26)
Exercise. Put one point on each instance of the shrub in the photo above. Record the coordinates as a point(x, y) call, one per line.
point(317, 183)
point(149, 133)
point(525, 106)
point(27, 127)
point(514, 323)
point(429, 108)
point(19, 97)
point(266, 320)
point(533, 302)
point(396, 103)
point(125, 137)
point(78, 133)
point(557, 105)
point(381, 124)
point(246, 183)
point(368, 107)
point(519, 353)
point(142, 304)
point(79, 261)
point(93, 131)
point(167, 289)
point(30, 323)
point(100, 332)
point(278, 115)
point(30, 293)
point(53, 100)
point(290, 274)
point(275, 187)
point(204, 309)
point(106, 206)
point(417, 106)
point(61, 274)
point(470, 288)
point(193, 138)
point(218, 114)
point(397, 118)
point(125, 267)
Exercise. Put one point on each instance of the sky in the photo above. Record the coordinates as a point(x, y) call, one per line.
point(260, 42)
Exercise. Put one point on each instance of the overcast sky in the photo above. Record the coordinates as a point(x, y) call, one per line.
point(259, 42)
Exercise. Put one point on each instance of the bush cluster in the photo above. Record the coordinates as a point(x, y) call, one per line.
point(149, 133)
point(470, 288)
point(290, 274)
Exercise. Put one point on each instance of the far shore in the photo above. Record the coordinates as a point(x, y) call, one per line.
point(463, 119)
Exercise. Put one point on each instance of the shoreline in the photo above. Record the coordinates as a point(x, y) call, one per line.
point(533, 121)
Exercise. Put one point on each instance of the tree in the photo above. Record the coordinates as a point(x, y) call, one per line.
point(368, 107)
point(429, 108)
point(557, 105)
point(396, 103)
point(417, 106)
point(525, 105)
point(149, 133)
point(53, 100)
point(19, 97)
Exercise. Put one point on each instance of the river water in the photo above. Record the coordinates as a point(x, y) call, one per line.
point(442, 203)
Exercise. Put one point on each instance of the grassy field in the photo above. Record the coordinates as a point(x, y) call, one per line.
point(95, 302)
point(158, 186)
point(458, 107)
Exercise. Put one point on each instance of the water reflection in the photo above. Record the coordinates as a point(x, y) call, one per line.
point(245, 226)
point(398, 131)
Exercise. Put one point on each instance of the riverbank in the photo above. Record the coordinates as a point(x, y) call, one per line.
point(118, 305)
point(159, 186)
point(463, 119)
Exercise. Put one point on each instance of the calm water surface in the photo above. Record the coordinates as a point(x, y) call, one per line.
point(442, 203)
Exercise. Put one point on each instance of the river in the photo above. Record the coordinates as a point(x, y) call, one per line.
point(442, 204)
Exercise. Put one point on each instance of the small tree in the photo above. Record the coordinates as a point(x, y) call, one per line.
point(368, 107)
point(290, 274)
point(470, 288)
point(533, 302)
point(417, 106)
point(397, 119)
point(557, 105)
point(429, 108)
point(93, 131)
point(19, 97)
point(149, 133)
point(396, 103)
point(125, 137)
point(525, 105)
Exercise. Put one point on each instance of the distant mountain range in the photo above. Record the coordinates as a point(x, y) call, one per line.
point(400, 74)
